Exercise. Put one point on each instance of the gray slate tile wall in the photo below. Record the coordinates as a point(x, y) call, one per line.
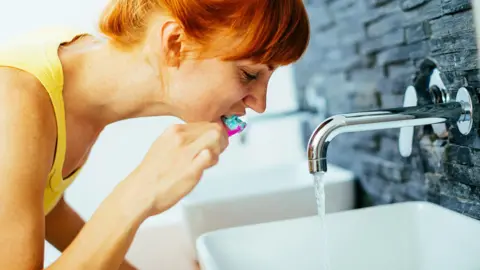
point(362, 55)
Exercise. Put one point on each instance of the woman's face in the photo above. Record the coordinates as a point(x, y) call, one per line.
point(200, 89)
point(205, 90)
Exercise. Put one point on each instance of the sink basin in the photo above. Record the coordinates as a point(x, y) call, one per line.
point(261, 195)
point(402, 236)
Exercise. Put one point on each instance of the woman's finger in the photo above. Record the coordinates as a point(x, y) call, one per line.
point(215, 139)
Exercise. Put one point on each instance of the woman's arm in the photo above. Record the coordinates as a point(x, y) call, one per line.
point(62, 226)
point(27, 143)
point(104, 240)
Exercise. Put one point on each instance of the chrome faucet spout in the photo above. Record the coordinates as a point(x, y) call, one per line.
point(451, 112)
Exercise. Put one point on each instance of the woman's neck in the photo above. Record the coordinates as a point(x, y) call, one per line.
point(105, 85)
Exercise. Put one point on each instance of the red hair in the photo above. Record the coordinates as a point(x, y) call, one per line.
point(274, 32)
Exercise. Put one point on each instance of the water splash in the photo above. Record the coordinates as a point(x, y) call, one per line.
point(319, 185)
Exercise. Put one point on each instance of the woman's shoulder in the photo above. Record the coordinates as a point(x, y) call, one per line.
point(27, 119)
point(23, 99)
point(36, 52)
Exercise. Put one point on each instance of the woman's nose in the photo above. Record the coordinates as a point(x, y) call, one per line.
point(257, 101)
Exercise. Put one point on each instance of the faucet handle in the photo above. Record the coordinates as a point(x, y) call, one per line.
point(439, 94)
point(405, 138)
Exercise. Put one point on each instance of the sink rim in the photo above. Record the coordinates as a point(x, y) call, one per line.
point(417, 206)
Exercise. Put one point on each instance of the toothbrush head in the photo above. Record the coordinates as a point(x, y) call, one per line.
point(234, 124)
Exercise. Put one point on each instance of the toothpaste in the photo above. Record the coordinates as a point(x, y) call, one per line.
point(234, 124)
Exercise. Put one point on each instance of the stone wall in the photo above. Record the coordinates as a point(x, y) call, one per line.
point(362, 56)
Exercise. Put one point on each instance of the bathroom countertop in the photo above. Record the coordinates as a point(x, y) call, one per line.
point(162, 247)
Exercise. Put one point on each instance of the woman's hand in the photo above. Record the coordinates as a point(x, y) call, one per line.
point(175, 163)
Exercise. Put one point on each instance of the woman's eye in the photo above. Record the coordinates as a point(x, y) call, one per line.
point(249, 76)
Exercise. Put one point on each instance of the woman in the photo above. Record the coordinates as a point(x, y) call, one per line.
point(196, 60)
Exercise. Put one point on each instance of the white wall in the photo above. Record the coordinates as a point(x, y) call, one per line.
point(122, 145)
point(25, 15)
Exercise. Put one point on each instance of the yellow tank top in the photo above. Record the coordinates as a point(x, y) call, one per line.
point(37, 53)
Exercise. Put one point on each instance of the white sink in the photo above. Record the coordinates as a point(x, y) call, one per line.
point(403, 236)
point(261, 195)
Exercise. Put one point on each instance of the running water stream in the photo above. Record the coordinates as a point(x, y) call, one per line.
point(319, 185)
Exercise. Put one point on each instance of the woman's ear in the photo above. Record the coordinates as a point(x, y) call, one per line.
point(172, 37)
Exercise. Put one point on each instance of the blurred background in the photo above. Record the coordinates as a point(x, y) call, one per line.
point(362, 55)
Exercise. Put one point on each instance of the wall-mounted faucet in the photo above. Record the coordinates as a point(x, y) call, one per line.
point(441, 111)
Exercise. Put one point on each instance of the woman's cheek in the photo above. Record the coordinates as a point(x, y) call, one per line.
point(241, 92)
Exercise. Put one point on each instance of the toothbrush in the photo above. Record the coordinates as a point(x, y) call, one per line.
point(234, 124)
